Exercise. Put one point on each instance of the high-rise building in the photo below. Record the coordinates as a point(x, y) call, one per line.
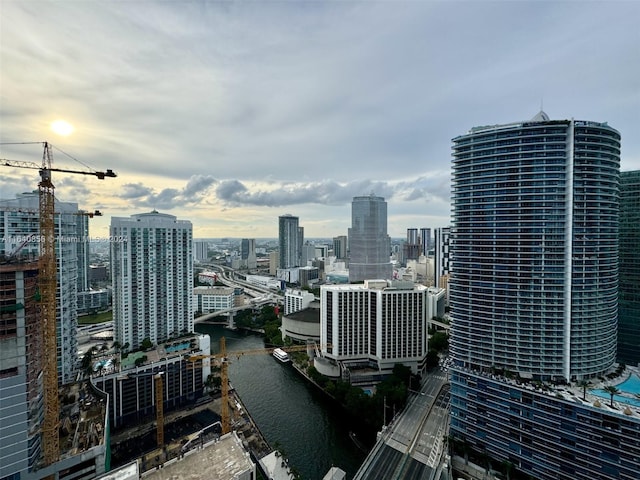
point(82, 246)
point(441, 257)
point(533, 294)
point(629, 285)
point(340, 247)
point(248, 257)
point(152, 276)
point(425, 241)
point(200, 250)
point(412, 248)
point(289, 241)
point(19, 234)
point(21, 392)
point(374, 325)
point(369, 243)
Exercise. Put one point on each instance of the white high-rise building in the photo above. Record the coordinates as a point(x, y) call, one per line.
point(152, 275)
point(369, 243)
point(376, 324)
point(19, 220)
point(201, 250)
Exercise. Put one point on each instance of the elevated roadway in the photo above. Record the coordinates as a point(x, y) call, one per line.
point(412, 446)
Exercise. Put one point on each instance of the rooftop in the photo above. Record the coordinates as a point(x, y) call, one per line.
point(224, 459)
point(626, 402)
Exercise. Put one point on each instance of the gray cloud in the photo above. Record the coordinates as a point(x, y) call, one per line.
point(135, 190)
point(326, 100)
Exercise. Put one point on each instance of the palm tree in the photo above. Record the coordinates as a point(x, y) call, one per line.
point(507, 466)
point(585, 384)
point(611, 390)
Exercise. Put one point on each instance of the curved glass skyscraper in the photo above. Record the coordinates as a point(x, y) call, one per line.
point(534, 244)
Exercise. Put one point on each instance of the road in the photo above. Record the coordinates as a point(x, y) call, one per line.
point(411, 447)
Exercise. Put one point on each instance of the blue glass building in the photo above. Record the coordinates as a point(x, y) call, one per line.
point(533, 294)
point(629, 297)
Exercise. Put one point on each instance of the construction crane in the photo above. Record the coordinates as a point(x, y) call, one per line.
point(48, 283)
point(222, 358)
point(159, 400)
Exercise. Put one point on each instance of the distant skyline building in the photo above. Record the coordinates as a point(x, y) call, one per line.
point(200, 250)
point(18, 220)
point(83, 247)
point(533, 292)
point(629, 285)
point(369, 243)
point(425, 241)
point(152, 275)
point(441, 257)
point(412, 248)
point(248, 257)
point(290, 240)
point(340, 247)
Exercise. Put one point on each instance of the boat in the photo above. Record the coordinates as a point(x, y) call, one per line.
point(281, 355)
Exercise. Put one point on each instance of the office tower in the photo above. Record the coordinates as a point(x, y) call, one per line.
point(201, 250)
point(629, 285)
point(425, 241)
point(441, 257)
point(340, 247)
point(289, 241)
point(19, 231)
point(412, 248)
point(533, 293)
point(152, 276)
point(83, 250)
point(378, 323)
point(248, 253)
point(21, 343)
point(369, 244)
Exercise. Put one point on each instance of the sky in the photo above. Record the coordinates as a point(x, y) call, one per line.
point(230, 114)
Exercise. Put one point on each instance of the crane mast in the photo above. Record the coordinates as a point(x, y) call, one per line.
point(48, 285)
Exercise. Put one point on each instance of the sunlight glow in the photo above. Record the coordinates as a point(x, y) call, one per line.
point(62, 127)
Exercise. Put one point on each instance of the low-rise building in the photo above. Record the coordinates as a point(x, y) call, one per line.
point(212, 299)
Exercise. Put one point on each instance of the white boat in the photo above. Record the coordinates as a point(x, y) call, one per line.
point(281, 355)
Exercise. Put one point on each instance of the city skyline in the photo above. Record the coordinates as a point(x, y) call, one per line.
point(233, 114)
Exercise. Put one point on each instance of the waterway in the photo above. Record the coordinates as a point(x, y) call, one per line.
point(292, 414)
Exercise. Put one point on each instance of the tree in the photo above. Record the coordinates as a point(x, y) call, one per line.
point(146, 344)
point(439, 341)
point(611, 390)
point(507, 466)
point(584, 384)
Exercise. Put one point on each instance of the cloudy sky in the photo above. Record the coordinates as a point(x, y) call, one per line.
point(232, 113)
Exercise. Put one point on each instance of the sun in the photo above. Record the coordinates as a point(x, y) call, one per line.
point(62, 127)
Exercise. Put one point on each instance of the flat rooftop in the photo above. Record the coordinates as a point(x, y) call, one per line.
point(224, 459)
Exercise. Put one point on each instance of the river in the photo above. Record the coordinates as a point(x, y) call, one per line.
point(312, 431)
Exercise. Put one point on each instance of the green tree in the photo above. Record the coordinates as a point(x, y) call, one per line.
point(584, 384)
point(611, 390)
point(439, 341)
point(146, 344)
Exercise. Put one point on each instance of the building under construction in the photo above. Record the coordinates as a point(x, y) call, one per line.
point(82, 422)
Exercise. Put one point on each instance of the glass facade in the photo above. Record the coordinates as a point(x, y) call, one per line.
point(629, 292)
point(369, 243)
point(534, 244)
point(533, 296)
point(289, 241)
